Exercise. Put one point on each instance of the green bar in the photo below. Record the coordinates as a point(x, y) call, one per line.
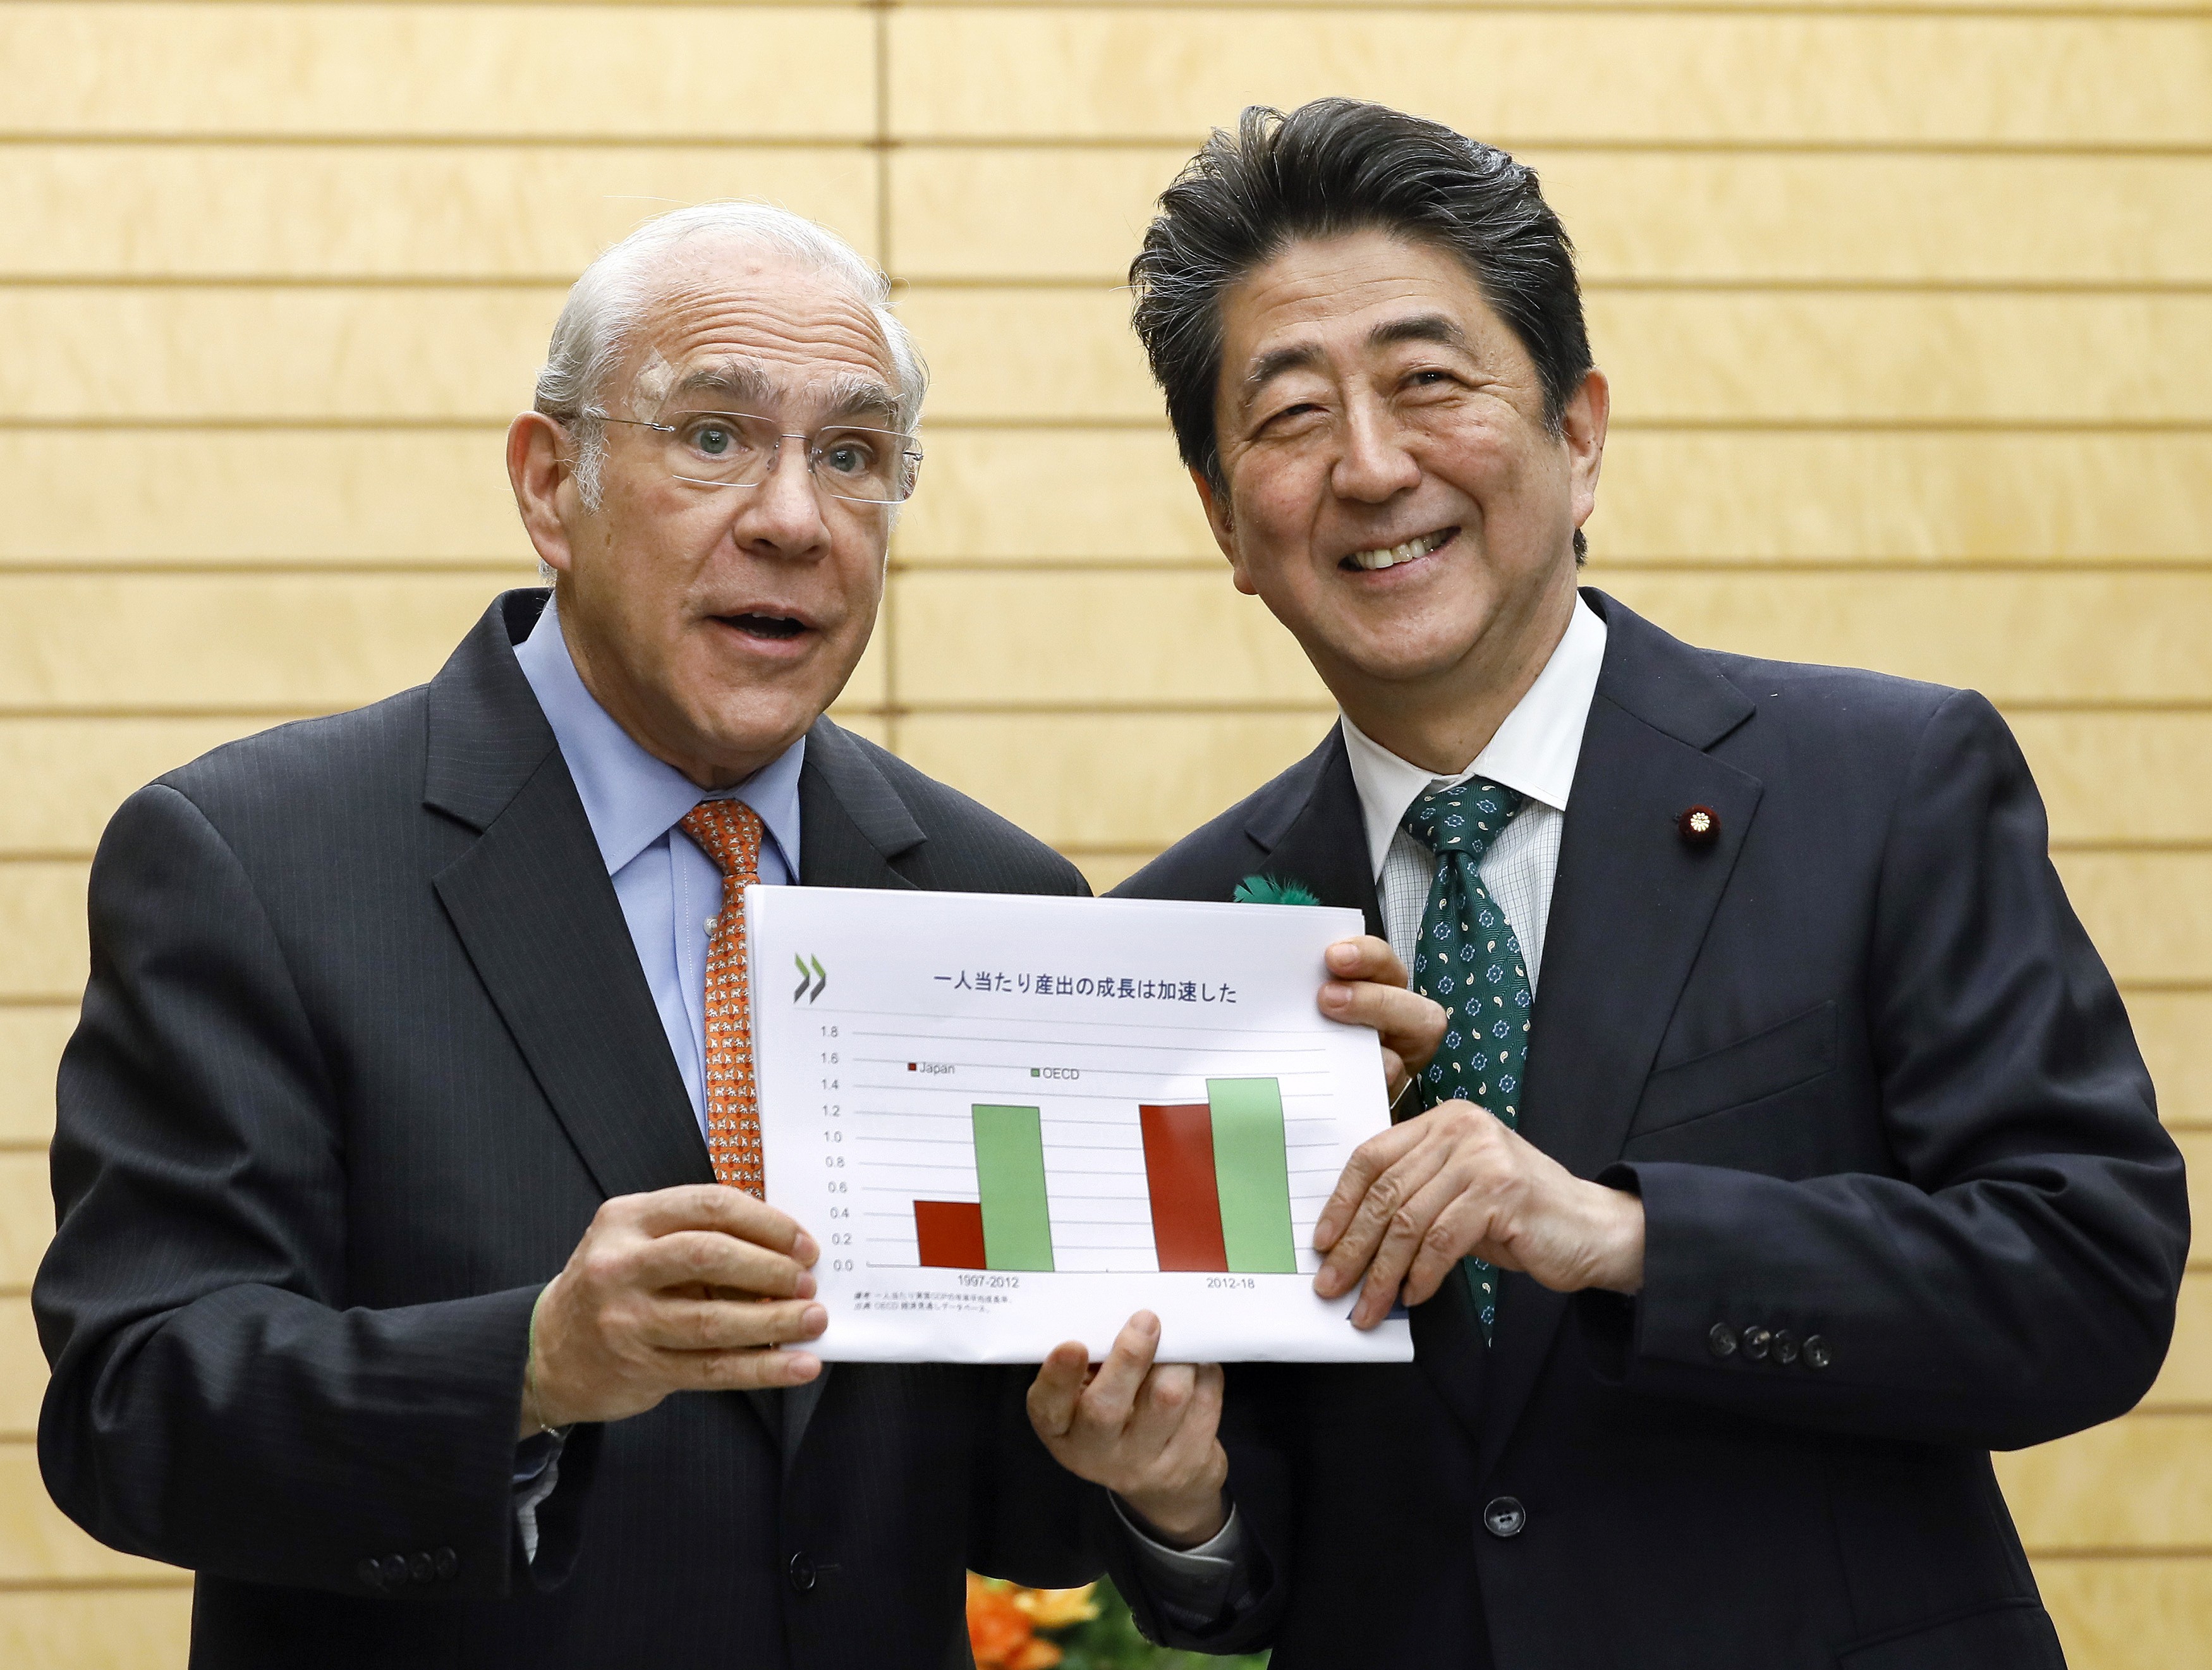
point(1251, 1168)
point(1010, 1174)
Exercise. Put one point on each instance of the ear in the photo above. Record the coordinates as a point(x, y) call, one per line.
point(542, 472)
point(1583, 426)
point(1224, 524)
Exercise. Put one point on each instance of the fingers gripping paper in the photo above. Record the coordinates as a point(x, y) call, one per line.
point(1013, 1121)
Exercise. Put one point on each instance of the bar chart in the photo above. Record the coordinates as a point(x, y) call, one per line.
point(1217, 1178)
point(995, 1158)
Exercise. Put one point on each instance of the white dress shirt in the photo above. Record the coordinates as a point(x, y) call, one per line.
point(1533, 752)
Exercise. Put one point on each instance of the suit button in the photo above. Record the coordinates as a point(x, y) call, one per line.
point(1504, 1516)
point(393, 1569)
point(1720, 1340)
point(371, 1575)
point(1818, 1353)
point(1785, 1346)
point(1755, 1342)
point(421, 1568)
point(801, 1572)
point(446, 1562)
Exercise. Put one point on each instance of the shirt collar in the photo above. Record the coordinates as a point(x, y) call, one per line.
point(1535, 749)
point(630, 798)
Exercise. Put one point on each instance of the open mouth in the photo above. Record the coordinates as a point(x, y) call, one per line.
point(1389, 556)
point(779, 627)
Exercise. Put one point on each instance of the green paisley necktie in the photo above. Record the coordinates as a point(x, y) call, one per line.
point(1469, 961)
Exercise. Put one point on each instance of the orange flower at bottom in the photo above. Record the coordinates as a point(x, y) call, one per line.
point(1003, 1619)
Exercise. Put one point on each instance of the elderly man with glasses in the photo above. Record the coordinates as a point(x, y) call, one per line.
point(408, 1164)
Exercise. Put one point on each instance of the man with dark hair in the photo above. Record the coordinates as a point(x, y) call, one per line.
point(1788, 1149)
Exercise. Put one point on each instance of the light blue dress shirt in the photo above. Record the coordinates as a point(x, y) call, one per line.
point(670, 891)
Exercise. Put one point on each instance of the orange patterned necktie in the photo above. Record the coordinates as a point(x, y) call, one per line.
point(729, 832)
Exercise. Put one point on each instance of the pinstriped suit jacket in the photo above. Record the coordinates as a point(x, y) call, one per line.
point(365, 1045)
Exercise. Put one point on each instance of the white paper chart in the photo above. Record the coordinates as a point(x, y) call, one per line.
point(1013, 1121)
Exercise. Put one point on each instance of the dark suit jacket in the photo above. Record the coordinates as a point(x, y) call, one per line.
point(1874, 1085)
point(366, 1045)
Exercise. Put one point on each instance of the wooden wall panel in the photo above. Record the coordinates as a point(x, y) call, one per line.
point(2146, 911)
point(26, 1216)
point(1945, 497)
point(435, 71)
point(85, 768)
point(294, 212)
point(161, 353)
point(44, 958)
point(2068, 638)
point(2197, 1152)
point(1052, 495)
point(2143, 1481)
point(1527, 78)
point(101, 1628)
point(1101, 781)
point(23, 1372)
point(163, 642)
point(2175, 1031)
point(2130, 1613)
point(31, 1039)
point(2186, 1380)
point(278, 496)
point(1715, 216)
point(36, 1542)
point(1092, 640)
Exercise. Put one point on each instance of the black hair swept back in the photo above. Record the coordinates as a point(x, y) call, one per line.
point(1330, 167)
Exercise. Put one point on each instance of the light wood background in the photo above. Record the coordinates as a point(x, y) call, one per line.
point(1908, 310)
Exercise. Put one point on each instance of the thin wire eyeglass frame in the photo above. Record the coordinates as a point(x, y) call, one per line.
point(813, 452)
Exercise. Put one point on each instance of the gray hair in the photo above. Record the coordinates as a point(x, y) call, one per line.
point(607, 302)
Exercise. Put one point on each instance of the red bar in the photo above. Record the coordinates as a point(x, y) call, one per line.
point(1186, 1198)
point(951, 1233)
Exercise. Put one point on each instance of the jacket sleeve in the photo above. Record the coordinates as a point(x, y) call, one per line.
point(2016, 1280)
point(217, 1402)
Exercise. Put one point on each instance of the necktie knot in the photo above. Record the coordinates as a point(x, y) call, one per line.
point(1464, 818)
point(728, 832)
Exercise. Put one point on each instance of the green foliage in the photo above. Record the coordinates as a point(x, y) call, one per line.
point(1272, 890)
point(1110, 1641)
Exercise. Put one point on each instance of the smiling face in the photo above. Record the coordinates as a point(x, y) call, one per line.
point(715, 624)
point(1395, 496)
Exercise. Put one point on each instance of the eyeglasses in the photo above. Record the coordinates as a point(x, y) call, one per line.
point(737, 449)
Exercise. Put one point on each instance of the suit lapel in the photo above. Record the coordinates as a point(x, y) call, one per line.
point(1313, 832)
point(1630, 908)
point(532, 905)
point(852, 822)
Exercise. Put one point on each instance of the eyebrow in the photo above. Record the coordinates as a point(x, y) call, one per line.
point(1438, 328)
point(850, 395)
point(736, 380)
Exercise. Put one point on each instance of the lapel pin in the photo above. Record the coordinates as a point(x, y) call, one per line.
point(1700, 826)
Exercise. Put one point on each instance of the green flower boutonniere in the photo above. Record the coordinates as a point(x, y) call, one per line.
point(1273, 890)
